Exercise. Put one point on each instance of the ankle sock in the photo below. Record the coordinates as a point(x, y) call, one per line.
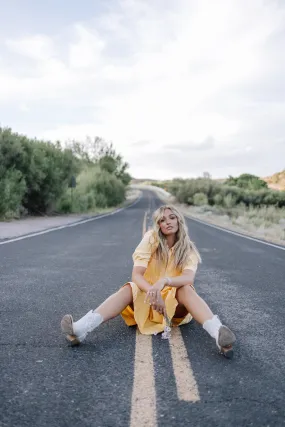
point(212, 326)
point(87, 324)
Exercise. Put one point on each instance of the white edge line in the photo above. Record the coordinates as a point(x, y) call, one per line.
point(74, 224)
point(235, 233)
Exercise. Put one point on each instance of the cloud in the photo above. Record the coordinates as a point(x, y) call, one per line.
point(203, 79)
point(219, 164)
point(24, 108)
point(36, 47)
point(86, 51)
point(207, 144)
point(140, 143)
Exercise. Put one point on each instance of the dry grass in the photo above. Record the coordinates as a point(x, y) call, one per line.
point(266, 223)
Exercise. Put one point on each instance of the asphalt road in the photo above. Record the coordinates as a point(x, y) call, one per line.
point(44, 382)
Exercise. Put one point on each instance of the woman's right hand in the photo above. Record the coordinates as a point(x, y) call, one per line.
point(159, 306)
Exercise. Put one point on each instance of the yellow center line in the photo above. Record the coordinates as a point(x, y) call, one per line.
point(186, 385)
point(143, 412)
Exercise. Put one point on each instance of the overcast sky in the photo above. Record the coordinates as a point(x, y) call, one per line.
point(179, 86)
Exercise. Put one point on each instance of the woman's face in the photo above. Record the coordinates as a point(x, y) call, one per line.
point(168, 223)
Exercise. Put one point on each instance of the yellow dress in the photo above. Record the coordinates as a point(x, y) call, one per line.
point(148, 320)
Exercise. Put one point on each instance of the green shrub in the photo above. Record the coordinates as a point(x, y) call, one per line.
point(110, 187)
point(95, 189)
point(34, 175)
point(225, 194)
point(200, 199)
point(64, 205)
point(12, 189)
point(44, 167)
point(229, 201)
point(218, 199)
point(246, 180)
point(101, 200)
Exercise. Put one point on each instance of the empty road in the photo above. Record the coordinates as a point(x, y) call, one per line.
point(119, 378)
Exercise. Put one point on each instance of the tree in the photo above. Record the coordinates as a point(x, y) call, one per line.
point(206, 175)
point(247, 181)
point(98, 151)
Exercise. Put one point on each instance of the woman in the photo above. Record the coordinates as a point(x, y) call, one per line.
point(165, 263)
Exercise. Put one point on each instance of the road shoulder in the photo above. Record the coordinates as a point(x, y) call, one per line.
point(30, 225)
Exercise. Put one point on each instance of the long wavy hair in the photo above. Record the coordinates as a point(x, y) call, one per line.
point(183, 246)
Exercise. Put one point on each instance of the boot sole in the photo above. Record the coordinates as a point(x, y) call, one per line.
point(228, 353)
point(226, 337)
point(67, 329)
point(226, 340)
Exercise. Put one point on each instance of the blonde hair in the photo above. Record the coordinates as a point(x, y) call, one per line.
point(183, 246)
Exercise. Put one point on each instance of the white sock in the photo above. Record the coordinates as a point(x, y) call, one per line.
point(212, 326)
point(87, 324)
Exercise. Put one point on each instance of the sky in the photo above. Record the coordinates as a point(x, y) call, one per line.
point(180, 87)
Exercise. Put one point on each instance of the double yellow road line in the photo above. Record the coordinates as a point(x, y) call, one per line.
point(143, 411)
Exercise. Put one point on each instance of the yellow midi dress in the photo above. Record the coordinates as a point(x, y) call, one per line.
point(148, 320)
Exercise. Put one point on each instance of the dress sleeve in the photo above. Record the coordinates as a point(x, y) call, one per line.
point(143, 251)
point(192, 262)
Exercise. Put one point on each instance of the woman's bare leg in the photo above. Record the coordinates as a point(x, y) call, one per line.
point(116, 303)
point(194, 304)
point(201, 312)
point(76, 332)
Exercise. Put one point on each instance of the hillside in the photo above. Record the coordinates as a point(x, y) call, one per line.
point(276, 181)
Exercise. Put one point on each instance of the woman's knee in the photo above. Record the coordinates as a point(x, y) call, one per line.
point(126, 291)
point(184, 291)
